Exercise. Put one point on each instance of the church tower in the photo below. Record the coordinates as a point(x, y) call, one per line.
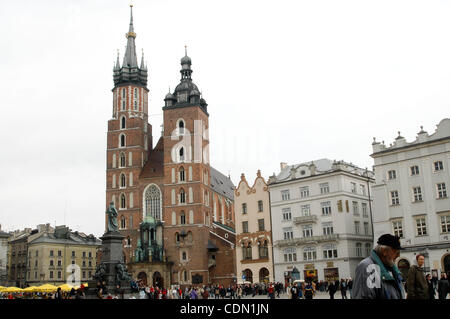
point(187, 194)
point(129, 139)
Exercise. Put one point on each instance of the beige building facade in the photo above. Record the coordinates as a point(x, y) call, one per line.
point(254, 259)
point(61, 256)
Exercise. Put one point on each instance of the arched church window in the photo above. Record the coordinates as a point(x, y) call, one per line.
point(128, 241)
point(122, 160)
point(122, 223)
point(152, 199)
point(177, 237)
point(182, 218)
point(181, 154)
point(182, 196)
point(122, 122)
point(181, 127)
point(122, 140)
point(182, 177)
point(123, 201)
point(123, 180)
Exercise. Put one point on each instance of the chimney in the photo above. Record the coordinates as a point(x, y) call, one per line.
point(283, 165)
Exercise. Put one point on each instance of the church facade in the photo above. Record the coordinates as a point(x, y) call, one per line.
point(168, 185)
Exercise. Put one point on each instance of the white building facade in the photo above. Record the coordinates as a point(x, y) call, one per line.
point(3, 257)
point(321, 220)
point(411, 197)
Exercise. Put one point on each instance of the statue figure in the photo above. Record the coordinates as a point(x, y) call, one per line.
point(122, 273)
point(100, 272)
point(113, 226)
point(138, 253)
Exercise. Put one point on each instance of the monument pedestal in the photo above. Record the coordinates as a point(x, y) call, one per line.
point(112, 269)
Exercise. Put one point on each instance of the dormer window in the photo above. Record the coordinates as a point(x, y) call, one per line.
point(182, 97)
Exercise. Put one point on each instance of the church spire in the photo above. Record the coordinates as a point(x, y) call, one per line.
point(130, 60)
point(130, 72)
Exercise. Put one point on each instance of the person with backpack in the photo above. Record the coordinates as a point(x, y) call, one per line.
point(309, 290)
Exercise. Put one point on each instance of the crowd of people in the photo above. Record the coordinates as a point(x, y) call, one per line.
point(58, 294)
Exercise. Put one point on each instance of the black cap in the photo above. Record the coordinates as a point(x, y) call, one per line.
point(389, 240)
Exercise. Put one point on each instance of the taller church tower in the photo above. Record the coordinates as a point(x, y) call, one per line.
point(187, 194)
point(129, 138)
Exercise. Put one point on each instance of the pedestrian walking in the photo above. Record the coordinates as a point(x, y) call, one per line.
point(309, 290)
point(417, 284)
point(377, 277)
point(343, 288)
point(430, 286)
point(294, 292)
point(443, 286)
point(331, 289)
point(350, 286)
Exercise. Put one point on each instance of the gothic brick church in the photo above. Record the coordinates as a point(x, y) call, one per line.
point(169, 185)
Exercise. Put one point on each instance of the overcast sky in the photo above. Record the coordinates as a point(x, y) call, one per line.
point(286, 81)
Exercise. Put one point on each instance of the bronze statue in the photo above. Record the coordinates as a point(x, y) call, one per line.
point(113, 226)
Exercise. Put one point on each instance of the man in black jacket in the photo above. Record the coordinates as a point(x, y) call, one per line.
point(443, 286)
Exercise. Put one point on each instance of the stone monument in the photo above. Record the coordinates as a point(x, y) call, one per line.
point(112, 270)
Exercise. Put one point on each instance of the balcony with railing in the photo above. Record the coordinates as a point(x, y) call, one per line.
point(307, 240)
point(305, 219)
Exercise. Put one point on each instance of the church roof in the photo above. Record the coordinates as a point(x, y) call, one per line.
point(222, 184)
point(154, 165)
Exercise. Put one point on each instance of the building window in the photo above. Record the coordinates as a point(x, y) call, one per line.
point(353, 188)
point(122, 222)
point(366, 228)
point(306, 210)
point(51, 253)
point(290, 255)
point(51, 274)
point(182, 196)
point(441, 190)
point(285, 195)
point(122, 160)
point(183, 218)
point(329, 252)
point(421, 226)
point(135, 105)
point(363, 189)
point(181, 153)
point(307, 231)
point(122, 201)
point(286, 214)
point(394, 198)
point(326, 208)
point(123, 121)
point(245, 227)
point(445, 224)
point(324, 188)
point(184, 256)
point(181, 127)
point(355, 208)
point(368, 249)
point(59, 263)
point(309, 253)
point(438, 166)
point(73, 253)
point(358, 250)
point(90, 254)
point(51, 263)
point(244, 208)
point(59, 274)
point(182, 175)
point(247, 251)
point(261, 224)
point(287, 233)
point(122, 140)
point(123, 181)
point(153, 202)
point(392, 174)
point(417, 193)
point(177, 238)
point(357, 224)
point(365, 212)
point(304, 192)
point(263, 249)
point(414, 170)
point(260, 206)
point(327, 228)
